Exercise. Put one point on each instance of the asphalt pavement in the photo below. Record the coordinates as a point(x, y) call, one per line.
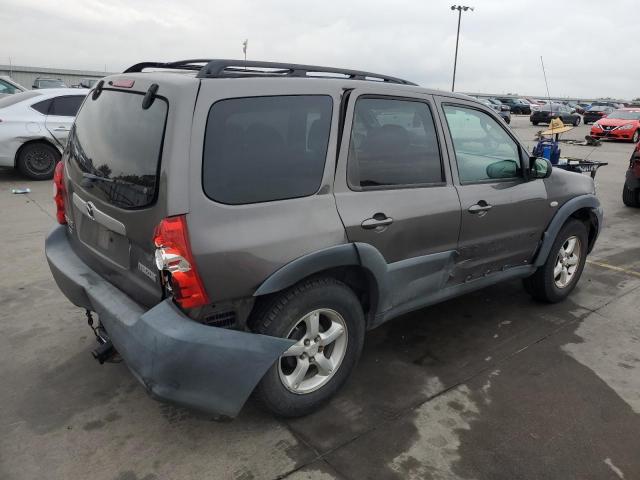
point(491, 385)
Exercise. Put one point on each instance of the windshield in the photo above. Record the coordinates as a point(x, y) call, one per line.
point(625, 115)
point(118, 145)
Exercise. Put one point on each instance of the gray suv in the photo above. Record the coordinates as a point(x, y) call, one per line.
point(238, 226)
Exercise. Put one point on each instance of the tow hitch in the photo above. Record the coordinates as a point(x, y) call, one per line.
point(105, 351)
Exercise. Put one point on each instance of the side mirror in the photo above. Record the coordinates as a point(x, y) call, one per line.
point(502, 169)
point(540, 168)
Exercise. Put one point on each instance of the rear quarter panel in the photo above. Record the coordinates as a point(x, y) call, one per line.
point(237, 247)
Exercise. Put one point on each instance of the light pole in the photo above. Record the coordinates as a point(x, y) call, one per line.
point(460, 9)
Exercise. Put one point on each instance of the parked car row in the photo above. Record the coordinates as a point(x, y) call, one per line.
point(504, 113)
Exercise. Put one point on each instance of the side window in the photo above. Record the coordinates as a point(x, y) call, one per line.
point(393, 143)
point(260, 149)
point(66, 106)
point(484, 151)
point(43, 106)
point(7, 88)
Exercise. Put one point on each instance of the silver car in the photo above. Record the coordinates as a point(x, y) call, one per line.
point(9, 87)
point(34, 126)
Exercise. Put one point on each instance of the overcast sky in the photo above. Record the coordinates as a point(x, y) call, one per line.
point(590, 47)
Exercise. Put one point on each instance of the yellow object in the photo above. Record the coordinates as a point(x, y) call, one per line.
point(556, 126)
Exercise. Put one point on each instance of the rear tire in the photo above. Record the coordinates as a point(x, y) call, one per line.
point(315, 368)
point(576, 122)
point(38, 160)
point(630, 197)
point(535, 123)
point(556, 279)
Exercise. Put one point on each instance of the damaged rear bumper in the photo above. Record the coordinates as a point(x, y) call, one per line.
point(176, 359)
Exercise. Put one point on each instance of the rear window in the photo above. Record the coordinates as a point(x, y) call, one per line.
point(43, 106)
point(118, 145)
point(50, 83)
point(66, 106)
point(261, 149)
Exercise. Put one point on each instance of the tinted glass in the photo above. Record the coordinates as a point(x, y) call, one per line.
point(393, 143)
point(484, 150)
point(43, 106)
point(117, 145)
point(7, 88)
point(66, 106)
point(17, 98)
point(260, 149)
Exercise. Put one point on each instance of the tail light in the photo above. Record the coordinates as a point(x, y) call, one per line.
point(174, 257)
point(59, 193)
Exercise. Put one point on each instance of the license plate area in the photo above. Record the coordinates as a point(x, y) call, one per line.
point(107, 244)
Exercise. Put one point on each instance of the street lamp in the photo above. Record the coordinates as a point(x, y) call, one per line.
point(460, 9)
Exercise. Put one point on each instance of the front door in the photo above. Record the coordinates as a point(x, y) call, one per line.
point(394, 191)
point(62, 113)
point(503, 214)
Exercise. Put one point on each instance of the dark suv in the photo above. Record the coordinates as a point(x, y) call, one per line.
point(238, 229)
point(518, 106)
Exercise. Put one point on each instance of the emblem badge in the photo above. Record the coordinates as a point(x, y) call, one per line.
point(90, 210)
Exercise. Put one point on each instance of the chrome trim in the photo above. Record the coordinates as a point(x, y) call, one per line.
point(87, 208)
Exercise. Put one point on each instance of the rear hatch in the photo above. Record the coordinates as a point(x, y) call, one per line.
point(116, 163)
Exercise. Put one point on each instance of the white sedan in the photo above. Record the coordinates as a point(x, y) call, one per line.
point(34, 126)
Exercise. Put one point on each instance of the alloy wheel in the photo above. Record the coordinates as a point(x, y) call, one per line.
point(567, 262)
point(321, 344)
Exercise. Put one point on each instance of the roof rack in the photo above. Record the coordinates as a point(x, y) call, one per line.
point(215, 68)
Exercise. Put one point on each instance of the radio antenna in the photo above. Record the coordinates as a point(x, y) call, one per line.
point(545, 81)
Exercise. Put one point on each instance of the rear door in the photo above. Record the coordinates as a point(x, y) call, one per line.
point(118, 161)
point(394, 191)
point(61, 115)
point(503, 215)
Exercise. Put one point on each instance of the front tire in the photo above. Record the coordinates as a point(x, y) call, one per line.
point(326, 320)
point(556, 279)
point(576, 122)
point(636, 136)
point(38, 160)
point(630, 197)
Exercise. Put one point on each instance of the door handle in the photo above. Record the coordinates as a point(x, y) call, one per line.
point(481, 207)
point(379, 220)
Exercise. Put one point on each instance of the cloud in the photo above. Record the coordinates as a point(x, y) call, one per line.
point(587, 51)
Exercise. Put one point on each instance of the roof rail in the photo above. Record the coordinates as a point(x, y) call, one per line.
point(215, 68)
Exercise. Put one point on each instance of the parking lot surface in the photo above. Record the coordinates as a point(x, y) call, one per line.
point(491, 385)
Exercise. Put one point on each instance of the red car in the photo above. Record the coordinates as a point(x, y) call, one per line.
point(623, 124)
